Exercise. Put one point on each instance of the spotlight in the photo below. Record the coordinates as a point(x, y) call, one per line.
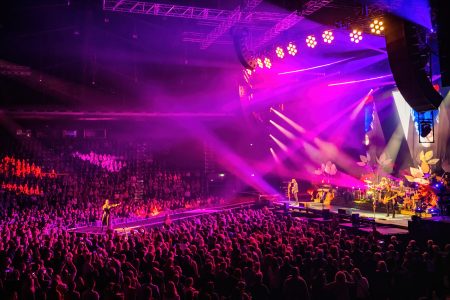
point(425, 129)
point(259, 63)
point(268, 63)
point(311, 41)
point(328, 36)
point(280, 52)
point(249, 72)
point(376, 26)
point(292, 49)
point(356, 36)
point(366, 140)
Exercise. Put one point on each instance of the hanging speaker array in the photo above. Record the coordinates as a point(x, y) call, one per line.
point(408, 59)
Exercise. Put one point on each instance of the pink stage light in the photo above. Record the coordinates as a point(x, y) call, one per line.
point(283, 130)
point(279, 143)
point(311, 41)
point(361, 104)
point(361, 80)
point(328, 36)
point(274, 155)
point(280, 53)
point(315, 67)
point(289, 121)
point(292, 49)
point(356, 36)
point(267, 63)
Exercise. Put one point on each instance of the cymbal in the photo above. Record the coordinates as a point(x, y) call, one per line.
point(367, 181)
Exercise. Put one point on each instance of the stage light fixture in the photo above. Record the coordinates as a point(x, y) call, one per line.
point(356, 36)
point(267, 63)
point(328, 36)
point(280, 53)
point(425, 129)
point(259, 63)
point(292, 49)
point(377, 26)
point(311, 41)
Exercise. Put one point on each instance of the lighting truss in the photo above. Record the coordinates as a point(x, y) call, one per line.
point(199, 37)
point(313, 6)
point(363, 16)
point(224, 26)
point(10, 69)
point(227, 18)
point(281, 26)
point(167, 10)
point(188, 12)
point(309, 8)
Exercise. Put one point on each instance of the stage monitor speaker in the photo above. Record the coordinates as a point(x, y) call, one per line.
point(326, 215)
point(240, 41)
point(442, 13)
point(408, 58)
point(342, 212)
point(416, 219)
point(355, 220)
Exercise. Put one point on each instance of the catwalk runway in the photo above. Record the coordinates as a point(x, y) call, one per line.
point(136, 223)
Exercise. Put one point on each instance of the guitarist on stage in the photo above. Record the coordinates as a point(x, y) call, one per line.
point(293, 190)
point(390, 200)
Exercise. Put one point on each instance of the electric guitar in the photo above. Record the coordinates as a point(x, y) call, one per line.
point(387, 199)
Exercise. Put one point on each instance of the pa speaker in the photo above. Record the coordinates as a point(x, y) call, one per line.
point(408, 58)
point(240, 41)
point(442, 18)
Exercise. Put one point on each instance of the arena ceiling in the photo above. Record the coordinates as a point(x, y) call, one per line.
point(64, 54)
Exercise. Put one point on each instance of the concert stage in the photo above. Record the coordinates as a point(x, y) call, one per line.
point(353, 219)
point(400, 221)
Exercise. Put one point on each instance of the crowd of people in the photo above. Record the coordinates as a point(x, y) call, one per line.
point(239, 254)
point(47, 174)
point(108, 162)
point(242, 254)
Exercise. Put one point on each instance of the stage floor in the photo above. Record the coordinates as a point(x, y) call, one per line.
point(399, 224)
point(379, 216)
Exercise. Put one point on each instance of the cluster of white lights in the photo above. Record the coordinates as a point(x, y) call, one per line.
point(377, 27)
point(268, 63)
point(259, 63)
point(311, 41)
point(328, 36)
point(356, 36)
point(280, 52)
point(292, 49)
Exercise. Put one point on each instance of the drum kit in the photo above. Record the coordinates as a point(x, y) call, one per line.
point(323, 195)
point(373, 193)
